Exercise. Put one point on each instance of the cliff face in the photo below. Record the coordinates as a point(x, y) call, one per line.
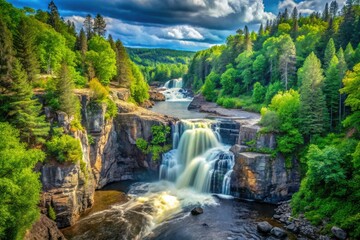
point(261, 176)
point(109, 154)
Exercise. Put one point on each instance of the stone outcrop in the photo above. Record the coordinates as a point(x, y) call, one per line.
point(260, 176)
point(156, 95)
point(109, 155)
point(44, 228)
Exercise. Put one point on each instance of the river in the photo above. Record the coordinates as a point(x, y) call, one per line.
point(195, 173)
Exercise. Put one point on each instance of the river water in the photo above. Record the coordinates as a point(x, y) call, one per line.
point(196, 173)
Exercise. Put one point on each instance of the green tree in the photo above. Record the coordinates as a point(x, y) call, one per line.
point(258, 93)
point(99, 26)
point(330, 52)
point(19, 184)
point(54, 16)
point(88, 26)
point(349, 55)
point(312, 102)
point(138, 87)
point(295, 26)
point(228, 80)
point(25, 111)
point(123, 65)
point(209, 87)
point(26, 49)
point(351, 88)
point(287, 59)
point(102, 58)
point(342, 71)
point(259, 68)
point(331, 90)
point(6, 56)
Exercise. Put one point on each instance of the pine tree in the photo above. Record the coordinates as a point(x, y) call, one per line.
point(287, 60)
point(99, 25)
point(295, 27)
point(334, 8)
point(330, 52)
point(248, 43)
point(342, 66)
point(25, 111)
point(6, 56)
point(349, 55)
point(112, 43)
point(26, 51)
point(261, 30)
point(88, 26)
point(64, 90)
point(312, 102)
point(326, 14)
point(346, 29)
point(82, 46)
point(331, 91)
point(54, 16)
point(124, 75)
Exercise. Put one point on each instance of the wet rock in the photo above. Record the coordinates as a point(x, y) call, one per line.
point(292, 227)
point(339, 233)
point(156, 96)
point(278, 233)
point(264, 227)
point(276, 216)
point(205, 225)
point(44, 228)
point(197, 211)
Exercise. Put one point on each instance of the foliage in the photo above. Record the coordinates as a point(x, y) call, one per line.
point(158, 144)
point(65, 148)
point(102, 59)
point(258, 93)
point(51, 213)
point(139, 89)
point(19, 184)
point(99, 93)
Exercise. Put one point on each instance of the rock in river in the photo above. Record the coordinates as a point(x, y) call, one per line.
point(197, 211)
point(339, 233)
point(264, 227)
point(278, 233)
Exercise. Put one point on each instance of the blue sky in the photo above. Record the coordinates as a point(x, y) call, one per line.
point(176, 24)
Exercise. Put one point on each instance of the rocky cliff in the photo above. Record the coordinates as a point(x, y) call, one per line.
point(109, 155)
point(260, 176)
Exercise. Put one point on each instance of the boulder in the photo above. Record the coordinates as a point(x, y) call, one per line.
point(292, 227)
point(44, 228)
point(156, 96)
point(278, 233)
point(197, 211)
point(264, 227)
point(339, 233)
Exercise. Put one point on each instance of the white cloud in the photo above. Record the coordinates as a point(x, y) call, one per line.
point(307, 6)
point(183, 32)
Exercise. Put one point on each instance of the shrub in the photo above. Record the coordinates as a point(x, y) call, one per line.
point(98, 91)
point(111, 109)
point(65, 149)
point(51, 213)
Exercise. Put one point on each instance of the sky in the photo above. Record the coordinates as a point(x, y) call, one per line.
point(177, 24)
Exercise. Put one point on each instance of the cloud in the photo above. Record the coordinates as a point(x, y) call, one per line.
point(307, 6)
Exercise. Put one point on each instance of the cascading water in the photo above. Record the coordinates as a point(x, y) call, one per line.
point(198, 159)
point(174, 91)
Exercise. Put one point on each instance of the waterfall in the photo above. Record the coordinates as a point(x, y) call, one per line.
point(174, 91)
point(198, 159)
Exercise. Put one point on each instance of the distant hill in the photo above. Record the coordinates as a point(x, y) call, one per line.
point(160, 64)
point(150, 57)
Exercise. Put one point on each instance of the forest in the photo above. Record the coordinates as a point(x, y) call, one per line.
point(43, 55)
point(160, 65)
point(303, 74)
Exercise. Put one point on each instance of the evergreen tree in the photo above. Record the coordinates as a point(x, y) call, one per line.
point(287, 60)
point(248, 43)
point(6, 56)
point(88, 26)
point(82, 46)
point(295, 26)
point(26, 50)
point(346, 29)
point(68, 102)
point(123, 65)
point(342, 66)
point(326, 14)
point(261, 30)
point(112, 43)
point(312, 102)
point(330, 52)
point(334, 8)
point(99, 25)
point(349, 55)
point(331, 91)
point(25, 111)
point(54, 16)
